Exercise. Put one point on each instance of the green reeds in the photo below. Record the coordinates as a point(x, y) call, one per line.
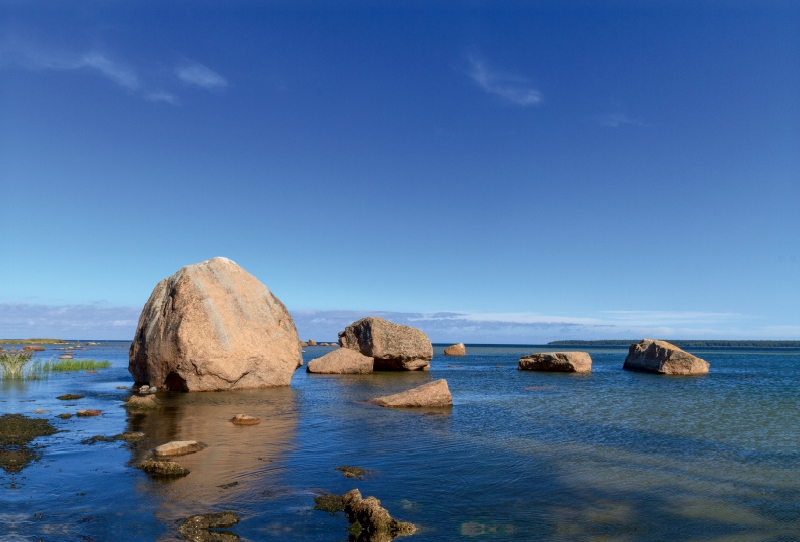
point(18, 366)
point(14, 364)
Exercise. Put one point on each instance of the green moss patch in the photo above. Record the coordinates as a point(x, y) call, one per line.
point(329, 503)
point(16, 432)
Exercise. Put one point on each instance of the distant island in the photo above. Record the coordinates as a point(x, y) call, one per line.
point(32, 341)
point(680, 343)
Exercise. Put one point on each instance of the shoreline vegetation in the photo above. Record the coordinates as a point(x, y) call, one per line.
point(34, 341)
point(686, 343)
point(21, 366)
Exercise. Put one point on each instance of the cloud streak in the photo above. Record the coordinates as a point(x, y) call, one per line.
point(195, 73)
point(514, 89)
point(15, 51)
point(100, 321)
point(615, 120)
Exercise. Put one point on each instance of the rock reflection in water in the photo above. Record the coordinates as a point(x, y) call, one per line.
point(247, 455)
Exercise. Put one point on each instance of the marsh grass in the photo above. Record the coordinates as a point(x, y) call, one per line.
point(19, 366)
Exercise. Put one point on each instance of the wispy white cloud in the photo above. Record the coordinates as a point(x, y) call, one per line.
point(161, 96)
point(100, 321)
point(195, 73)
point(614, 120)
point(512, 88)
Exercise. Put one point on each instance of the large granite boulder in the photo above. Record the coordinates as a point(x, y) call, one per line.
point(342, 361)
point(456, 350)
point(653, 356)
point(214, 326)
point(560, 362)
point(394, 347)
point(432, 394)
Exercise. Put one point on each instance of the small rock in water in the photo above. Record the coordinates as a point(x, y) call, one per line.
point(65, 416)
point(65, 357)
point(370, 521)
point(92, 372)
point(88, 412)
point(122, 387)
point(162, 468)
point(142, 403)
point(97, 438)
point(432, 394)
point(352, 472)
point(196, 528)
point(144, 389)
point(39, 411)
point(244, 419)
point(178, 447)
point(70, 397)
point(130, 436)
point(153, 389)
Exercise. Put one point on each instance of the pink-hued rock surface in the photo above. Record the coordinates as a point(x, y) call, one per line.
point(341, 361)
point(214, 326)
point(654, 356)
point(432, 394)
point(394, 347)
point(561, 362)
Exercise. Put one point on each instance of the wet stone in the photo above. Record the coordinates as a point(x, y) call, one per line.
point(88, 412)
point(352, 472)
point(97, 438)
point(130, 436)
point(65, 416)
point(199, 528)
point(178, 447)
point(70, 397)
point(148, 402)
point(244, 419)
point(165, 469)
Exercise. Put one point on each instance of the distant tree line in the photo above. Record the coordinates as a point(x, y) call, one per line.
point(680, 343)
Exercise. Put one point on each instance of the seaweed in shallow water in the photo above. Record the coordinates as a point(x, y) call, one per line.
point(16, 432)
point(329, 503)
point(352, 472)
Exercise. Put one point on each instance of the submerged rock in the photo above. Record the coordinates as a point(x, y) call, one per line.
point(88, 412)
point(162, 468)
point(653, 356)
point(178, 447)
point(456, 350)
point(329, 503)
point(394, 347)
point(432, 394)
point(244, 419)
point(342, 361)
point(70, 397)
point(560, 362)
point(197, 528)
point(97, 438)
point(65, 416)
point(130, 436)
point(352, 472)
point(148, 402)
point(16, 432)
point(214, 326)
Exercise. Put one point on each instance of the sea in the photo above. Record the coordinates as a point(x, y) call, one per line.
point(607, 456)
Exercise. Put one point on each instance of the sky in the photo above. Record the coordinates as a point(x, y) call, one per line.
point(489, 172)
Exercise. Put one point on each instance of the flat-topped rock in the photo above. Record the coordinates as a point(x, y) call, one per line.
point(560, 362)
point(178, 447)
point(33, 348)
point(88, 412)
point(654, 356)
point(214, 326)
point(341, 361)
point(394, 347)
point(244, 419)
point(432, 394)
point(456, 350)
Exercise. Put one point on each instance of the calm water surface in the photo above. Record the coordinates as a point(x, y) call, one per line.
point(609, 456)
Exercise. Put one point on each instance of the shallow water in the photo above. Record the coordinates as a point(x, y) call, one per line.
point(609, 456)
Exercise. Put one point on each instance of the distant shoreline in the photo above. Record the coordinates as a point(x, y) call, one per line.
point(687, 343)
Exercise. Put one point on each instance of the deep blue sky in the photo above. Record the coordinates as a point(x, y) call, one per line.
point(633, 165)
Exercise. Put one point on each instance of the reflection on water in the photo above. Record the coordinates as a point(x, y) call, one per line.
point(611, 456)
point(238, 462)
